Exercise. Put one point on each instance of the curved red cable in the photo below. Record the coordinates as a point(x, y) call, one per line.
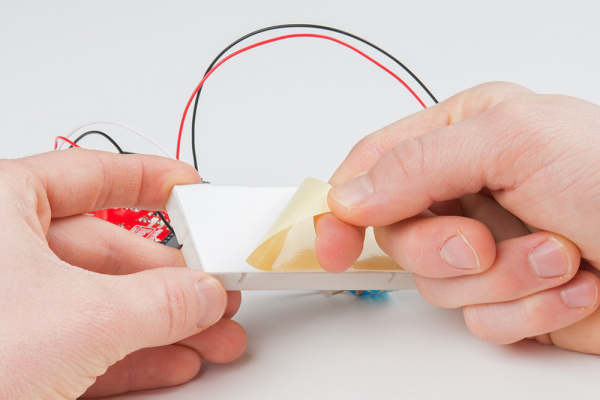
point(296, 35)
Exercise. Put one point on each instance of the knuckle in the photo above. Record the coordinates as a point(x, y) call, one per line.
point(485, 323)
point(497, 88)
point(477, 325)
point(410, 158)
point(481, 98)
point(431, 291)
point(431, 298)
point(366, 151)
point(24, 191)
point(174, 307)
point(363, 155)
point(18, 172)
point(512, 113)
point(518, 138)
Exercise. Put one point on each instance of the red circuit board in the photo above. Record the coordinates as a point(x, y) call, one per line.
point(145, 223)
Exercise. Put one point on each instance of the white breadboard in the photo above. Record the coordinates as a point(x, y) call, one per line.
point(219, 227)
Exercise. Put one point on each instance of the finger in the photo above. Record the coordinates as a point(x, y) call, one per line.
point(546, 311)
point(108, 249)
point(581, 336)
point(458, 108)
point(102, 247)
point(154, 308)
point(439, 247)
point(173, 364)
point(335, 240)
point(369, 150)
point(147, 369)
point(338, 244)
point(484, 151)
point(500, 221)
point(223, 342)
point(78, 181)
point(523, 266)
point(234, 300)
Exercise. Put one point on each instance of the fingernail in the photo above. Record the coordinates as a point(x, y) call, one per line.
point(550, 259)
point(353, 192)
point(212, 300)
point(457, 252)
point(580, 293)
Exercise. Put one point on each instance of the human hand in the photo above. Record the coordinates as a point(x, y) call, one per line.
point(82, 298)
point(452, 190)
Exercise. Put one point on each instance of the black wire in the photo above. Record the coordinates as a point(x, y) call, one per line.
point(114, 143)
point(168, 225)
point(102, 134)
point(327, 28)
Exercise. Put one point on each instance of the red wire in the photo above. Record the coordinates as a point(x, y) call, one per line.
point(297, 35)
point(65, 140)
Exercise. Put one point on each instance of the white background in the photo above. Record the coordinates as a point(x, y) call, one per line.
point(289, 110)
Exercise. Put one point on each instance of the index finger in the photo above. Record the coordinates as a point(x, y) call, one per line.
point(458, 108)
point(345, 238)
point(76, 181)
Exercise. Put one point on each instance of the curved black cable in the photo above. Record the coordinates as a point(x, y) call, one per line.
point(119, 149)
point(164, 220)
point(114, 143)
point(311, 26)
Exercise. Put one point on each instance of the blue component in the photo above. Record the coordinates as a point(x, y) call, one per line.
point(369, 293)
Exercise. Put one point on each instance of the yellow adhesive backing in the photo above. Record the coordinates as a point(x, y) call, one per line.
point(289, 245)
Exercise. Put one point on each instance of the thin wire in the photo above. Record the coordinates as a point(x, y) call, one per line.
point(298, 35)
point(164, 220)
point(74, 144)
point(119, 149)
point(121, 125)
point(286, 26)
point(63, 139)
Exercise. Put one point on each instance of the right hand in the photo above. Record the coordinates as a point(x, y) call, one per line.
point(468, 171)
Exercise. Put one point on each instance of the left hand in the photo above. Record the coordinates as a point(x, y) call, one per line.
point(86, 303)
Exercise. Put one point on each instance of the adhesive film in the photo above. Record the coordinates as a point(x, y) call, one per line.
point(289, 243)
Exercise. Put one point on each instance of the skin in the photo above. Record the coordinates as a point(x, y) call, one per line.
point(492, 199)
point(88, 309)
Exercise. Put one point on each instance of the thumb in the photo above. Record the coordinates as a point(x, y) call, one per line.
point(458, 108)
point(162, 306)
point(445, 164)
